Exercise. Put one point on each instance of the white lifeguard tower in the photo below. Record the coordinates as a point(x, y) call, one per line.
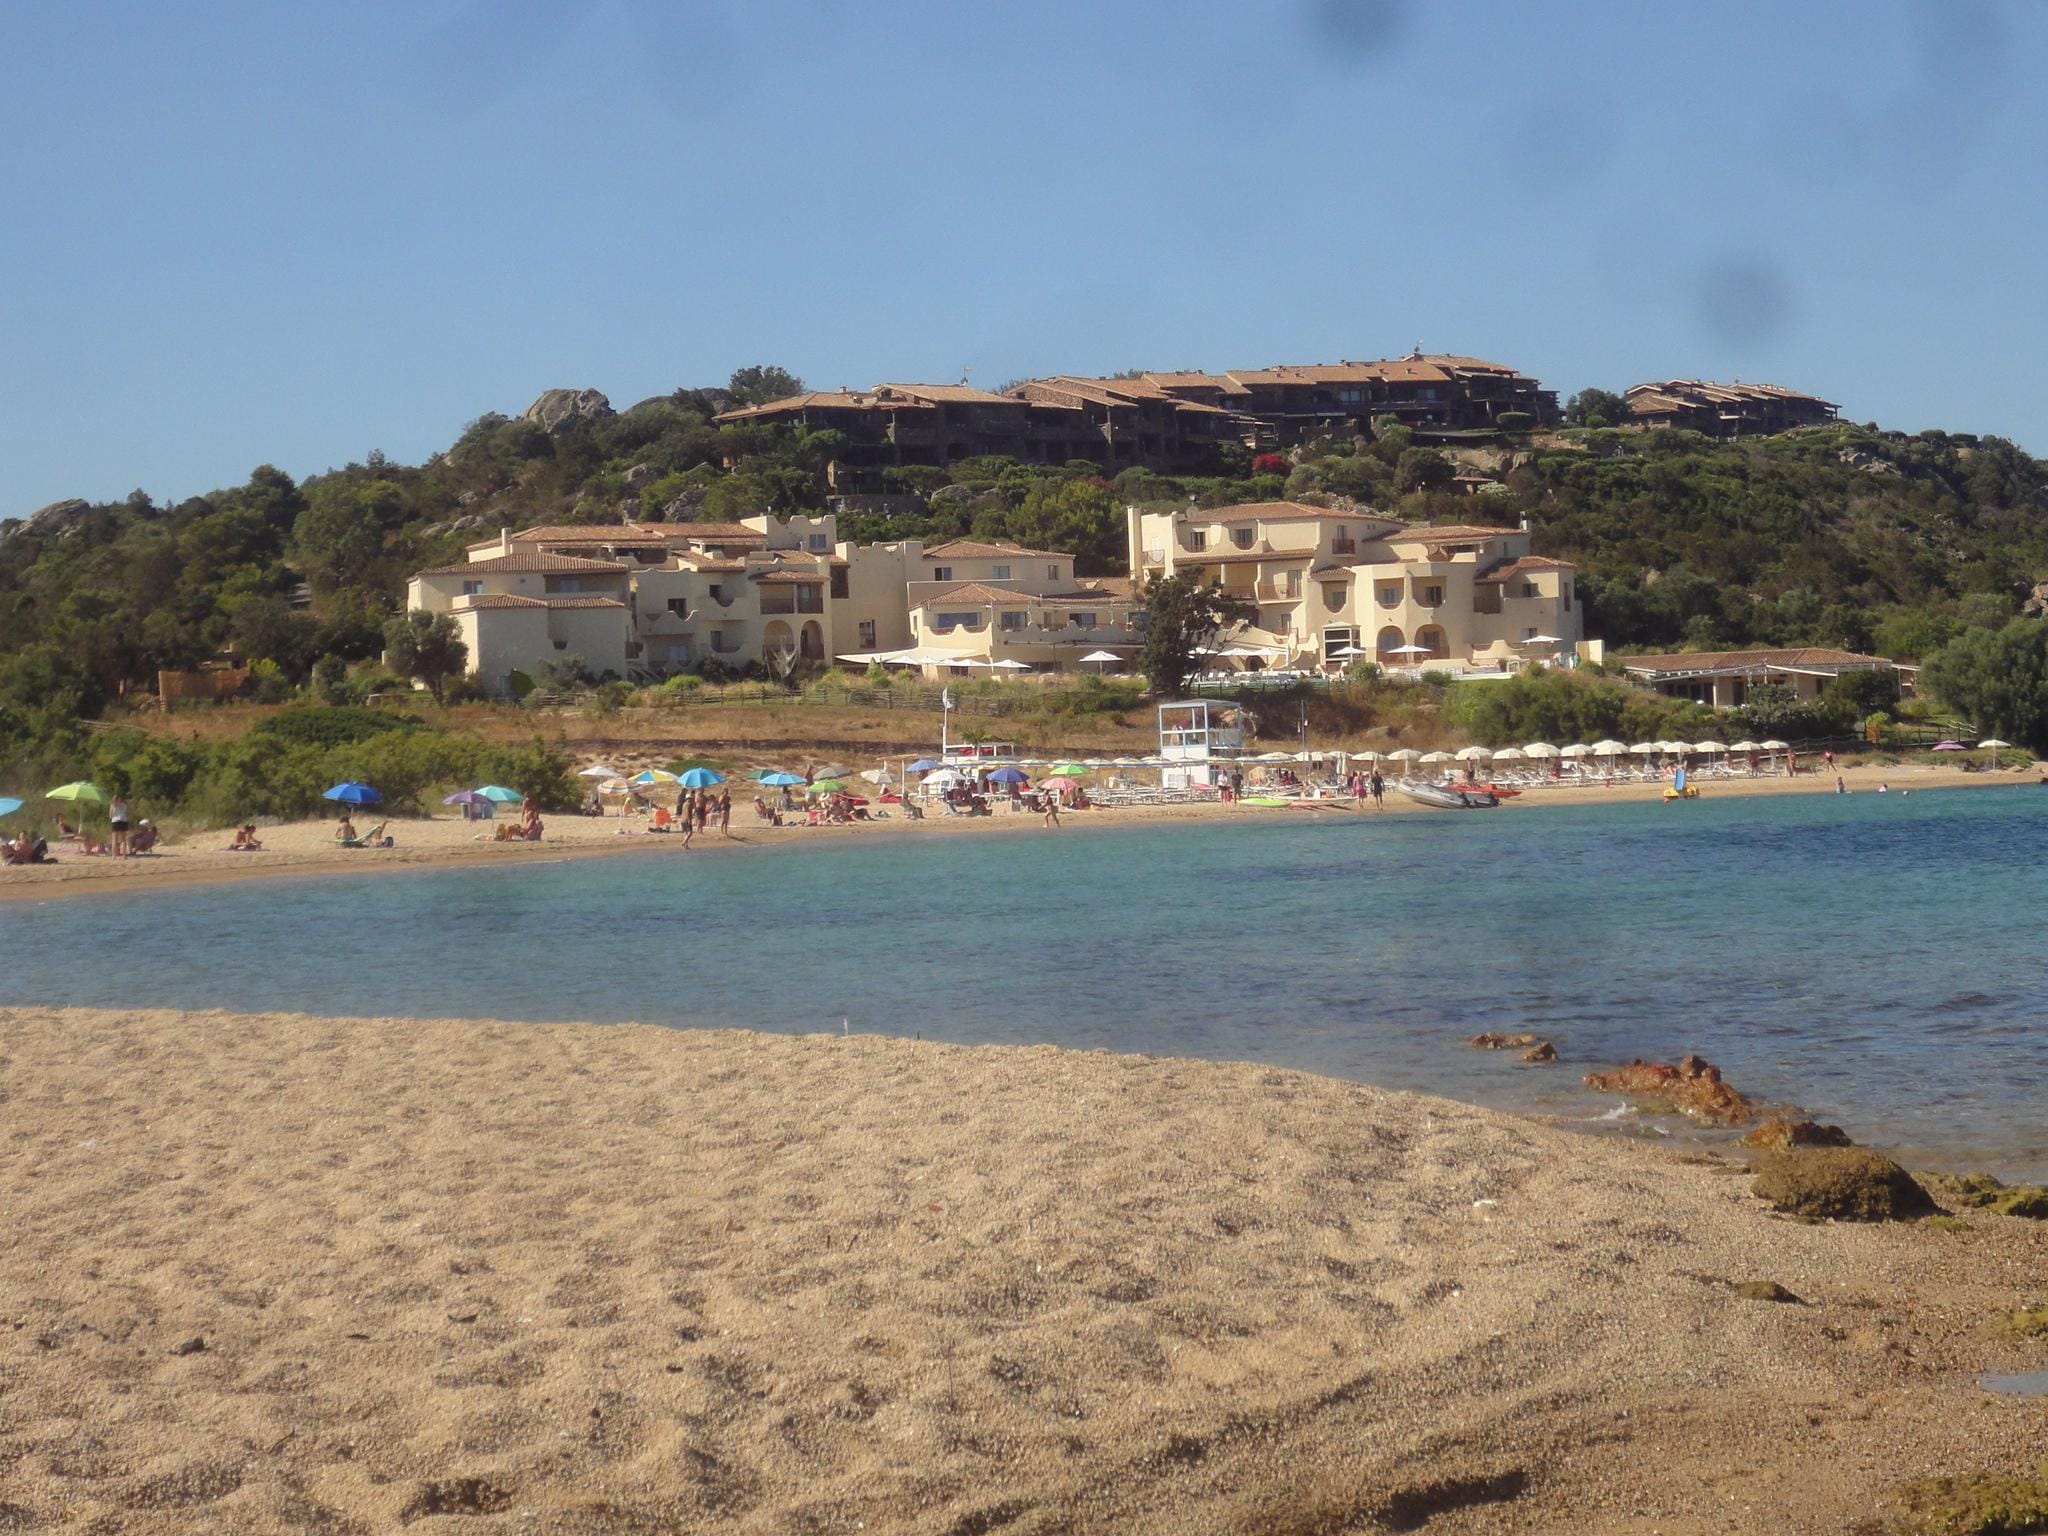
point(1198, 738)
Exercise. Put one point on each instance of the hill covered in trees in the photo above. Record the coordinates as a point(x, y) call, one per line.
point(1839, 535)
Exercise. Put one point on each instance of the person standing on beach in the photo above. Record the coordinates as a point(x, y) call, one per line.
point(117, 815)
point(1052, 809)
point(1379, 790)
point(725, 811)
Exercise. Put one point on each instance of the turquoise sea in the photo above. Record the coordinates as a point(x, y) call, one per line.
point(1875, 958)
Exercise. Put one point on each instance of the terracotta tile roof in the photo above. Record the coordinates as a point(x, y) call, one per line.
point(825, 400)
point(715, 566)
point(584, 533)
point(1716, 661)
point(978, 549)
point(500, 600)
point(527, 563)
point(785, 578)
point(1695, 392)
point(1290, 511)
point(715, 533)
point(1448, 533)
point(1502, 570)
point(584, 602)
point(979, 592)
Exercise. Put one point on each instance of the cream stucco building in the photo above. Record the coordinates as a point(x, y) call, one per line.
point(1332, 586)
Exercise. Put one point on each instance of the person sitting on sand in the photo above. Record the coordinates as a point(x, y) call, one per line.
point(246, 840)
point(28, 848)
point(345, 835)
point(766, 812)
point(345, 830)
point(143, 839)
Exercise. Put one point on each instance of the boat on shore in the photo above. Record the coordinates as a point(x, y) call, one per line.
point(1448, 797)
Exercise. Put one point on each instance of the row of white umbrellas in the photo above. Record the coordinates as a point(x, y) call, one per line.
point(1542, 749)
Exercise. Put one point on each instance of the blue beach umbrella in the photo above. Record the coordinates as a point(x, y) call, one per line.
point(498, 794)
point(702, 778)
point(1009, 776)
point(924, 765)
point(9, 805)
point(354, 794)
point(782, 780)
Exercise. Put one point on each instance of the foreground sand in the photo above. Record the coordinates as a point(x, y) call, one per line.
point(492, 1277)
point(301, 848)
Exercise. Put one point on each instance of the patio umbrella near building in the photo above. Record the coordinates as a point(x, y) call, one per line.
point(354, 794)
point(1102, 658)
point(1009, 665)
point(1409, 650)
point(700, 778)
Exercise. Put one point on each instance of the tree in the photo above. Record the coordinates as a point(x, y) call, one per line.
point(1595, 408)
point(1181, 616)
point(1422, 469)
point(1998, 680)
point(426, 646)
point(762, 382)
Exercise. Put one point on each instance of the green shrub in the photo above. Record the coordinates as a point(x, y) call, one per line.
point(326, 725)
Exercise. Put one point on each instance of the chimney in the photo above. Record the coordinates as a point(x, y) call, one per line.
point(504, 541)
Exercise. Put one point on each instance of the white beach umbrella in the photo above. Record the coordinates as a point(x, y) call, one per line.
point(1540, 749)
point(1274, 757)
point(1367, 757)
point(1709, 746)
point(1509, 755)
point(1409, 650)
point(1576, 749)
point(1646, 748)
point(1775, 745)
point(1608, 748)
point(1438, 757)
point(1094, 656)
point(1472, 754)
point(1745, 746)
point(1406, 755)
point(597, 771)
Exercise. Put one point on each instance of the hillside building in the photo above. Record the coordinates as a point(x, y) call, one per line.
point(1724, 678)
point(1725, 410)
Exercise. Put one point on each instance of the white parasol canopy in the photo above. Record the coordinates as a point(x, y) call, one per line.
point(597, 771)
point(1509, 755)
point(1540, 749)
point(1472, 754)
point(1102, 656)
point(1438, 757)
point(1406, 754)
point(1775, 745)
point(1608, 748)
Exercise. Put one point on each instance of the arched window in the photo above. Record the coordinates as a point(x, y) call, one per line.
point(1389, 644)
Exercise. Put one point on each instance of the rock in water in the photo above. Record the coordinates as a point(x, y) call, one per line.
point(1840, 1184)
point(1542, 1053)
point(1693, 1087)
point(1492, 1040)
point(1780, 1131)
point(1982, 1192)
point(560, 409)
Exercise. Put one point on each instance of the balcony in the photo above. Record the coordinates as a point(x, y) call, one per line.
point(1343, 546)
point(1279, 592)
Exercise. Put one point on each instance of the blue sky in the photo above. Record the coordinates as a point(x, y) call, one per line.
point(232, 234)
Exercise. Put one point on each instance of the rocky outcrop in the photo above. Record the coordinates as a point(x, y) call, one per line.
point(1980, 1191)
point(1693, 1087)
point(2037, 601)
point(1492, 1040)
point(51, 522)
point(1839, 1184)
point(1781, 1131)
point(1541, 1054)
point(639, 477)
point(560, 409)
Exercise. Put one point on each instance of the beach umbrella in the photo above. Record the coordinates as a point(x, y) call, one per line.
point(1009, 776)
point(1576, 749)
point(1405, 755)
point(1608, 748)
point(9, 805)
point(1745, 746)
point(466, 797)
point(498, 794)
point(830, 771)
point(942, 778)
point(1472, 754)
point(1948, 746)
point(1274, 757)
point(700, 778)
point(879, 776)
point(650, 776)
point(1069, 771)
point(1994, 746)
point(1540, 749)
point(781, 780)
point(1510, 755)
point(597, 771)
point(1438, 757)
point(827, 787)
point(1646, 748)
point(924, 765)
point(352, 794)
point(80, 792)
point(1775, 745)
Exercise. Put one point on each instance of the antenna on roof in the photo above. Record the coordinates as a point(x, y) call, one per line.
point(963, 375)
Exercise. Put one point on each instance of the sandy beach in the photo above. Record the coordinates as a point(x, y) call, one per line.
point(303, 848)
point(277, 1273)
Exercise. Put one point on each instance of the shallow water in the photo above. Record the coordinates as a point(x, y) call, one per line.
point(2030, 1384)
point(1874, 958)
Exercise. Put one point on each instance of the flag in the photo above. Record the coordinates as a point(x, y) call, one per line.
point(945, 698)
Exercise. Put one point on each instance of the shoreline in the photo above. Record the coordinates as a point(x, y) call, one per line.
point(304, 849)
point(272, 1271)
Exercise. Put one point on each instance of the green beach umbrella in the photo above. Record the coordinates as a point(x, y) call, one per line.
point(1068, 771)
point(78, 793)
point(827, 787)
point(500, 794)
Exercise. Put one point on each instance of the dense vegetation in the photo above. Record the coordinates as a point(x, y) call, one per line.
point(1840, 535)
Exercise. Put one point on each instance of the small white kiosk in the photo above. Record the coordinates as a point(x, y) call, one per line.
point(1198, 738)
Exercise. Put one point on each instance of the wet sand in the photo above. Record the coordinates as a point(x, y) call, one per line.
point(275, 1273)
point(303, 848)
